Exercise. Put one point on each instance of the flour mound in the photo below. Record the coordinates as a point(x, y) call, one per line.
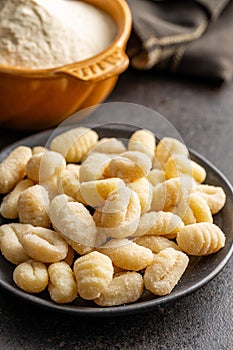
point(33, 35)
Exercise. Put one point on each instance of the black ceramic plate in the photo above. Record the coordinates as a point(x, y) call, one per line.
point(200, 270)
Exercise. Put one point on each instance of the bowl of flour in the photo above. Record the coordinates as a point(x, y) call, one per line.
point(58, 56)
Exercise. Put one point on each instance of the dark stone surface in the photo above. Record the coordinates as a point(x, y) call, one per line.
point(203, 115)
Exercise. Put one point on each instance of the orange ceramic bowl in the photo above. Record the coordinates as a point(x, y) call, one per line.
point(41, 98)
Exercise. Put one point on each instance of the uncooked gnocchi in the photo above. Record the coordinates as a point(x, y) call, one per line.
point(123, 289)
point(8, 208)
point(74, 144)
point(13, 168)
point(62, 285)
point(201, 239)
point(129, 166)
point(44, 245)
point(33, 206)
point(166, 270)
point(31, 276)
point(105, 220)
point(159, 223)
point(168, 147)
point(143, 141)
point(73, 221)
point(93, 272)
point(128, 255)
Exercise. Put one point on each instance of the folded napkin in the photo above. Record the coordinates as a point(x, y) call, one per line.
point(183, 36)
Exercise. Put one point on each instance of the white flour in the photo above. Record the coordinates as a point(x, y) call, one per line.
point(50, 33)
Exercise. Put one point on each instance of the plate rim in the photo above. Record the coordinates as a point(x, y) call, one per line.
point(133, 308)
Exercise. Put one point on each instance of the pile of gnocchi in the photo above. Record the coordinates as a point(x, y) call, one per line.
point(104, 221)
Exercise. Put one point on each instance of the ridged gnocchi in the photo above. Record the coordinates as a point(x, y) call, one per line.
point(74, 144)
point(123, 289)
point(143, 141)
point(33, 206)
point(168, 147)
point(93, 272)
point(105, 220)
point(62, 284)
point(127, 254)
point(13, 168)
point(31, 276)
point(166, 270)
point(201, 239)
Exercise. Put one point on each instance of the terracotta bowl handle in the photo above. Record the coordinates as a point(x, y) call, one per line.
point(111, 62)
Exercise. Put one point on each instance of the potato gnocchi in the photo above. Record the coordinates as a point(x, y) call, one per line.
point(103, 220)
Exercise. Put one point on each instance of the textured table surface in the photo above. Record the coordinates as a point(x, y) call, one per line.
point(203, 115)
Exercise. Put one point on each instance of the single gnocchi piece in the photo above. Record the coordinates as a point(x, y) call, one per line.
point(159, 224)
point(95, 193)
point(109, 146)
point(31, 276)
point(10, 244)
point(120, 223)
point(62, 285)
point(143, 141)
point(129, 166)
point(93, 167)
point(114, 210)
point(173, 195)
point(13, 168)
point(123, 289)
point(42, 166)
point(156, 243)
point(44, 245)
point(33, 167)
point(127, 255)
point(8, 208)
point(200, 208)
point(167, 147)
point(93, 272)
point(156, 176)
point(33, 206)
point(201, 239)
point(73, 221)
point(144, 190)
point(166, 270)
point(214, 196)
point(68, 182)
point(74, 144)
point(178, 165)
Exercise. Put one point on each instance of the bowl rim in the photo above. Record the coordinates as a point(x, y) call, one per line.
point(119, 42)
